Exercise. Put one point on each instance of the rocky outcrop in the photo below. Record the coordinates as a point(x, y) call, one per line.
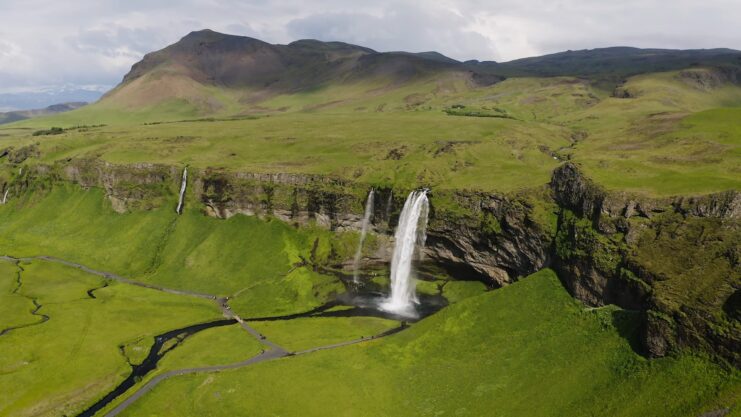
point(496, 241)
point(674, 259)
point(293, 198)
point(135, 186)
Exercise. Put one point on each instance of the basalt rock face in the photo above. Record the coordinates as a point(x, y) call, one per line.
point(674, 259)
point(136, 186)
point(496, 255)
point(496, 241)
point(492, 239)
point(294, 198)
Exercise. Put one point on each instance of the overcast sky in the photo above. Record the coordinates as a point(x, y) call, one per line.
point(95, 42)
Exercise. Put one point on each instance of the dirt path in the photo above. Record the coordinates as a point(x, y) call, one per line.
point(263, 357)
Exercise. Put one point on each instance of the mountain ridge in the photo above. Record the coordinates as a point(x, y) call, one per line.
point(247, 71)
point(17, 115)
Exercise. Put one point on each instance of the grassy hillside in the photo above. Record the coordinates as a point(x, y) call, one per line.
point(528, 349)
point(191, 251)
point(660, 134)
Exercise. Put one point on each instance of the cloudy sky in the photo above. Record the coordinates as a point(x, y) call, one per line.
point(54, 43)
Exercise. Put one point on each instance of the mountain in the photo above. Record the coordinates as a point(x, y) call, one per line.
point(29, 100)
point(14, 116)
point(614, 62)
point(210, 73)
point(191, 68)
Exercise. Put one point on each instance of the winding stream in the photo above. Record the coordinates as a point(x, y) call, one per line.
point(37, 305)
point(361, 300)
point(150, 362)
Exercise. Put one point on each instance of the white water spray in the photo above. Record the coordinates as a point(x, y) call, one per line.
point(363, 232)
point(410, 234)
point(179, 209)
point(5, 196)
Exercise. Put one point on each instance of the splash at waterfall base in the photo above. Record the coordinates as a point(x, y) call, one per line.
point(368, 296)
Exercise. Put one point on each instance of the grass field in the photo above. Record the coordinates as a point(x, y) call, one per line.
point(305, 333)
point(528, 349)
point(15, 308)
point(59, 366)
point(673, 135)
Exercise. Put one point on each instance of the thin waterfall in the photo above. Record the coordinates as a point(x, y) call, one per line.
point(5, 196)
point(363, 232)
point(410, 234)
point(388, 205)
point(179, 209)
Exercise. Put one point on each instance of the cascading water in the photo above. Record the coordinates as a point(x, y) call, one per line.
point(179, 209)
point(388, 204)
point(363, 232)
point(5, 196)
point(410, 234)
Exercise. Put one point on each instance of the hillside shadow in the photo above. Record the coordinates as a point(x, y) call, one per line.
point(628, 325)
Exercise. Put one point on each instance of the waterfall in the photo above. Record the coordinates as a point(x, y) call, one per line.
point(388, 206)
point(410, 233)
point(5, 196)
point(179, 209)
point(363, 232)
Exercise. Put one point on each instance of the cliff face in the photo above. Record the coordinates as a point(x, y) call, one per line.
point(495, 240)
point(676, 260)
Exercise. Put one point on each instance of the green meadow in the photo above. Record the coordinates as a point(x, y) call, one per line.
point(59, 366)
point(527, 349)
point(244, 256)
point(672, 136)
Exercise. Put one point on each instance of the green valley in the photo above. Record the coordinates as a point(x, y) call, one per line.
point(320, 229)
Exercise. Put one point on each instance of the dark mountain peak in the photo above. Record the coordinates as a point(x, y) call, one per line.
point(203, 35)
point(212, 39)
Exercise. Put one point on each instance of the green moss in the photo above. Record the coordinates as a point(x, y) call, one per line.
point(490, 224)
point(576, 238)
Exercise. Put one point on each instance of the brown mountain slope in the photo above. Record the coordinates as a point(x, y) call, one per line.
point(259, 70)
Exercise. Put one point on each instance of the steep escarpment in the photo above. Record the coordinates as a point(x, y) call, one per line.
point(493, 237)
point(486, 237)
point(674, 259)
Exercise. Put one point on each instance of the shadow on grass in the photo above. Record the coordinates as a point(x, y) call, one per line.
point(628, 324)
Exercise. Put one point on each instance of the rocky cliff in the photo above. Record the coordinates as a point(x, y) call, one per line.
point(673, 259)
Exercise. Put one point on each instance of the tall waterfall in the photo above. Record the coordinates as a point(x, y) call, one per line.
point(363, 232)
point(410, 234)
point(179, 209)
